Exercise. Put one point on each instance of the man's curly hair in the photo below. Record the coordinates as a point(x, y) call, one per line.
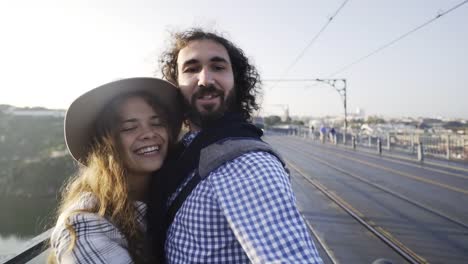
point(247, 81)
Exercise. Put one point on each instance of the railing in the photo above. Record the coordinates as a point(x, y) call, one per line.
point(31, 251)
point(445, 146)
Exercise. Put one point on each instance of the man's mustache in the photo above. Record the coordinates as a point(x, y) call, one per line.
point(204, 90)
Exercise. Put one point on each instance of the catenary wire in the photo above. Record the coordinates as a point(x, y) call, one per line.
point(397, 39)
point(302, 53)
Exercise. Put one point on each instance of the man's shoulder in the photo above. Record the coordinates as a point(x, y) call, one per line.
point(259, 157)
point(234, 151)
point(252, 164)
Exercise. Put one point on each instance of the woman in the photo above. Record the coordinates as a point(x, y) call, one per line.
point(120, 132)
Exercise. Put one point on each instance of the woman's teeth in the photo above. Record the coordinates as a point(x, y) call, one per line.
point(147, 150)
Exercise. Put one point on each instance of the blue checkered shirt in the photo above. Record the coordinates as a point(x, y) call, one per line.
point(243, 212)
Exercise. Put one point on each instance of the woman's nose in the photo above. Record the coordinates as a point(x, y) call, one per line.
point(148, 133)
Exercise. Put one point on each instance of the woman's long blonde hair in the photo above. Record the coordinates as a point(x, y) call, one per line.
point(104, 177)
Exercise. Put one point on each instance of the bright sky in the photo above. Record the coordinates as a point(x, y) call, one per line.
point(51, 51)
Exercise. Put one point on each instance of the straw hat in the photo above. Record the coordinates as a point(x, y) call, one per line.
point(82, 114)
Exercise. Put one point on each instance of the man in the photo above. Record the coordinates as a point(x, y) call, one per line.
point(323, 133)
point(244, 210)
point(332, 135)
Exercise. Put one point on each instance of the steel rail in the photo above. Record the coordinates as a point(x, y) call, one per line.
point(397, 159)
point(379, 232)
point(371, 154)
point(403, 158)
point(384, 189)
point(407, 175)
point(320, 241)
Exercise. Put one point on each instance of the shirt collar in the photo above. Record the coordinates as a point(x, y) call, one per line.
point(189, 137)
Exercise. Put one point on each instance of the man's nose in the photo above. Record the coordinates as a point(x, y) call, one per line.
point(205, 78)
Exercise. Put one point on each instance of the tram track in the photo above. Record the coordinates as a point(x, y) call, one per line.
point(384, 189)
point(389, 156)
point(388, 238)
point(400, 173)
point(397, 160)
point(319, 240)
point(378, 231)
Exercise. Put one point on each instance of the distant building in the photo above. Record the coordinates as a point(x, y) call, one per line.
point(366, 129)
point(360, 113)
point(285, 116)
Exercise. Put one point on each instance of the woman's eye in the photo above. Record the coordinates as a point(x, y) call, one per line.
point(125, 129)
point(158, 124)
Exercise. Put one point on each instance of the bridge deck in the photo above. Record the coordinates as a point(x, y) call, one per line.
point(421, 208)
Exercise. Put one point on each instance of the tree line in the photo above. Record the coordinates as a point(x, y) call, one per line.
point(33, 159)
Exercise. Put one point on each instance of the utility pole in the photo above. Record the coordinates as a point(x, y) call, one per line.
point(342, 92)
point(339, 85)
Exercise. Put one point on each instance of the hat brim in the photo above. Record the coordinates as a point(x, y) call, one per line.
point(81, 116)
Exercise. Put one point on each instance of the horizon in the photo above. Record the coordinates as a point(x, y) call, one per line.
point(291, 115)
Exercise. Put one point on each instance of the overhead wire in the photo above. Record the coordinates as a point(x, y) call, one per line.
point(397, 39)
point(302, 53)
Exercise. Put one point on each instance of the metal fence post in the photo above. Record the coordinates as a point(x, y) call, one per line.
point(353, 142)
point(379, 146)
point(370, 141)
point(420, 152)
point(412, 143)
point(388, 141)
point(448, 147)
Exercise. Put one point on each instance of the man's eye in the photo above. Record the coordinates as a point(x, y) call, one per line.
point(190, 70)
point(219, 67)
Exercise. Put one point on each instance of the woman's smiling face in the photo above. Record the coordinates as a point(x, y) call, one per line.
point(143, 136)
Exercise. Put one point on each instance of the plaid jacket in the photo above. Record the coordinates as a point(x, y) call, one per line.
point(97, 239)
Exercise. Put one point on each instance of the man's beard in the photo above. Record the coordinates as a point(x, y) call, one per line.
point(209, 113)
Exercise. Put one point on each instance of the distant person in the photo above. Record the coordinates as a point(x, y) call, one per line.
point(323, 133)
point(312, 132)
point(120, 132)
point(232, 200)
point(332, 134)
